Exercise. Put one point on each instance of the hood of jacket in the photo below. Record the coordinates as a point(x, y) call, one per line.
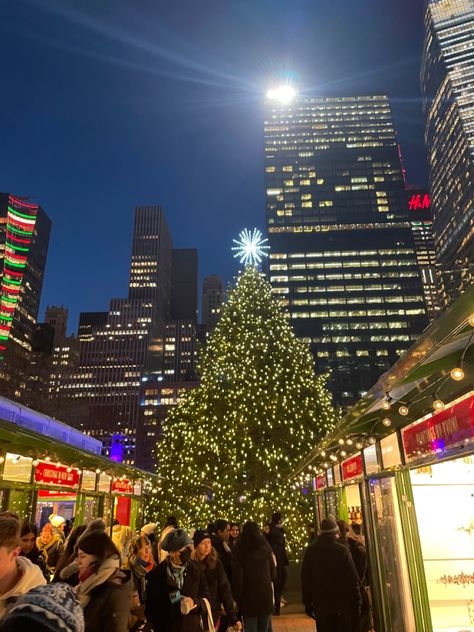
point(30, 577)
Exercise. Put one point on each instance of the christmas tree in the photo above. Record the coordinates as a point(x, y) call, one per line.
point(229, 447)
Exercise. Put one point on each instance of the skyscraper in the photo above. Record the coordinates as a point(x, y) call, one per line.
point(117, 347)
point(448, 104)
point(212, 298)
point(421, 222)
point(342, 256)
point(24, 240)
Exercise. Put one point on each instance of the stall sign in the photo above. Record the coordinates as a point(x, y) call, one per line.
point(17, 468)
point(137, 488)
point(56, 474)
point(122, 486)
point(330, 477)
point(352, 468)
point(104, 483)
point(337, 474)
point(371, 461)
point(446, 429)
point(88, 480)
point(321, 482)
point(390, 451)
point(55, 493)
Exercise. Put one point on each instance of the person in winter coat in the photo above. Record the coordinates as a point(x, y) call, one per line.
point(141, 562)
point(59, 524)
point(71, 575)
point(50, 545)
point(216, 579)
point(51, 608)
point(276, 539)
point(17, 574)
point(253, 575)
point(103, 590)
point(220, 541)
point(122, 536)
point(28, 535)
point(176, 589)
point(330, 583)
point(234, 534)
point(170, 525)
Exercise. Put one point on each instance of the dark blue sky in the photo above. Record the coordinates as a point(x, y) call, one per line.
point(109, 104)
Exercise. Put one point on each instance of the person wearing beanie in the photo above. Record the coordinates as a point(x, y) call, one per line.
point(176, 588)
point(58, 523)
point(51, 546)
point(51, 608)
point(103, 590)
point(170, 524)
point(17, 574)
point(330, 584)
point(216, 579)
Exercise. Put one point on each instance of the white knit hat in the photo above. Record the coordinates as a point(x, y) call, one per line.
point(56, 520)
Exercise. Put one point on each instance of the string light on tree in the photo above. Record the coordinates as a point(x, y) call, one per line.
point(230, 447)
point(251, 247)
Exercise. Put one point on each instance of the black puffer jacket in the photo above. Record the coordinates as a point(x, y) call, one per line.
point(166, 616)
point(219, 587)
point(252, 578)
point(330, 583)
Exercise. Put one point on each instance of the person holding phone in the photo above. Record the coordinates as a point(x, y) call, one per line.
point(176, 589)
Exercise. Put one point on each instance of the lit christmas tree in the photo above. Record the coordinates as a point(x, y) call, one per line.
point(229, 447)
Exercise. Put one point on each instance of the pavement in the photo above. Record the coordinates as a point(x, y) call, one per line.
point(293, 623)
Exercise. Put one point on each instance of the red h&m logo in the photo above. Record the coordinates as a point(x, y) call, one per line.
point(419, 201)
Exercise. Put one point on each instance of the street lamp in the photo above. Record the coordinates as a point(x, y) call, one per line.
point(284, 94)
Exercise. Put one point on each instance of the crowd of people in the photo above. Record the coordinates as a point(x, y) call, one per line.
point(162, 579)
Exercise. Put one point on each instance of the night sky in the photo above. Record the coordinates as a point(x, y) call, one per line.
point(109, 104)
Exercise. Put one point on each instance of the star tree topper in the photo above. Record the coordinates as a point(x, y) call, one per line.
point(250, 247)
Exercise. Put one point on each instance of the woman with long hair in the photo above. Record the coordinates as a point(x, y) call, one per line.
point(29, 535)
point(216, 579)
point(68, 556)
point(104, 591)
point(253, 576)
point(234, 534)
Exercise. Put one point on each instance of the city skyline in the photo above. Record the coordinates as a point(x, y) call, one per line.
point(81, 179)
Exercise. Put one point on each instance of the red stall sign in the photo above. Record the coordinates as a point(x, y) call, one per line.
point(122, 486)
point(56, 475)
point(321, 481)
point(443, 430)
point(352, 468)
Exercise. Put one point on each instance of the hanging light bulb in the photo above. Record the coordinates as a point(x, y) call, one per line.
point(323, 453)
point(387, 422)
point(386, 404)
point(403, 410)
point(372, 440)
point(333, 457)
point(349, 442)
point(438, 404)
point(471, 320)
point(359, 445)
point(343, 453)
point(457, 374)
point(340, 441)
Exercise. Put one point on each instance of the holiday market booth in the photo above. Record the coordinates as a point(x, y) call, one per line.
point(400, 467)
point(48, 467)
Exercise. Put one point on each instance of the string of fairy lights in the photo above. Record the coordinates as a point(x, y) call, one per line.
point(229, 448)
point(333, 452)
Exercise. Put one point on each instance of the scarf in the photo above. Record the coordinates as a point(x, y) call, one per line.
point(104, 572)
point(177, 574)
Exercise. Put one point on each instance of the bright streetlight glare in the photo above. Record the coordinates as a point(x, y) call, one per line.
point(284, 94)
